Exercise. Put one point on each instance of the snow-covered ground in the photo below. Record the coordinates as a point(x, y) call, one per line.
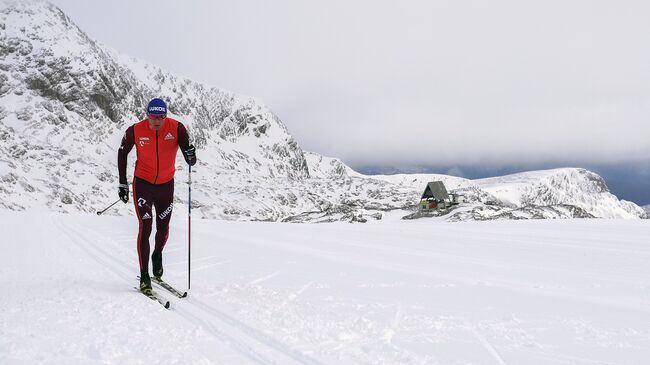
point(400, 292)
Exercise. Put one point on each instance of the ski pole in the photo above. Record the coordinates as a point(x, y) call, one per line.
point(189, 225)
point(100, 212)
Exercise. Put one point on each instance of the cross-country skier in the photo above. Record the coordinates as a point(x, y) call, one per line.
point(157, 139)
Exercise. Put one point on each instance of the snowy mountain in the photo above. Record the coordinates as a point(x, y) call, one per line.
point(65, 101)
point(65, 98)
point(556, 193)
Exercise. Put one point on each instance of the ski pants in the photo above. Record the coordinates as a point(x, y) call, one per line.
point(147, 196)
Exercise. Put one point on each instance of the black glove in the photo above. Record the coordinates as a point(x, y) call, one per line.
point(190, 154)
point(123, 192)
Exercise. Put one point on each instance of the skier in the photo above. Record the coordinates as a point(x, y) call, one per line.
point(157, 139)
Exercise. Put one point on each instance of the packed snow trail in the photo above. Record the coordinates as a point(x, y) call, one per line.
point(238, 334)
point(426, 292)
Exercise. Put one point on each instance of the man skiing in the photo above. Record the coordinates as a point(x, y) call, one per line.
point(157, 140)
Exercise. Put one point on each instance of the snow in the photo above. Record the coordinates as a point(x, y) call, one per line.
point(399, 292)
point(322, 167)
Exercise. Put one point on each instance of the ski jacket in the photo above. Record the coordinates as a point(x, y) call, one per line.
point(156, 150)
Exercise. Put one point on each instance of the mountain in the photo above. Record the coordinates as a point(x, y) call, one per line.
point(555, 193)
point(65, 98)
point(65, 101)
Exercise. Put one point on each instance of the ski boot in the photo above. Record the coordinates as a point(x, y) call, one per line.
point(156, 261)
point(145, 283)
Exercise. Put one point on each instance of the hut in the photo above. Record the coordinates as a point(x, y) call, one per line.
point(435, 196)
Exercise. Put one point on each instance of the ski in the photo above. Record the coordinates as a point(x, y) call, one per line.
point(168, 287)
point(154, 296)
point(163, 284)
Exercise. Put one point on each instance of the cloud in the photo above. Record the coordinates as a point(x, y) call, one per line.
point(415, 81)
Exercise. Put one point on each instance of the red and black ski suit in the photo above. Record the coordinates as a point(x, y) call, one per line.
point(153, 182)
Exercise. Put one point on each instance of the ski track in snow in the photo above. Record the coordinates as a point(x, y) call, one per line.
point(199, 310)
point(488, 346)
point(264, 278)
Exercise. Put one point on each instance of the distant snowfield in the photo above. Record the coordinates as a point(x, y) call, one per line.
point(416, 292)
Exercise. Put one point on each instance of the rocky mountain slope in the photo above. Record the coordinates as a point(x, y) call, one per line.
point(65, 101)
point(556, 193)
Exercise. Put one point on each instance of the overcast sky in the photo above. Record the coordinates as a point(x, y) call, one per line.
point(413, 82)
